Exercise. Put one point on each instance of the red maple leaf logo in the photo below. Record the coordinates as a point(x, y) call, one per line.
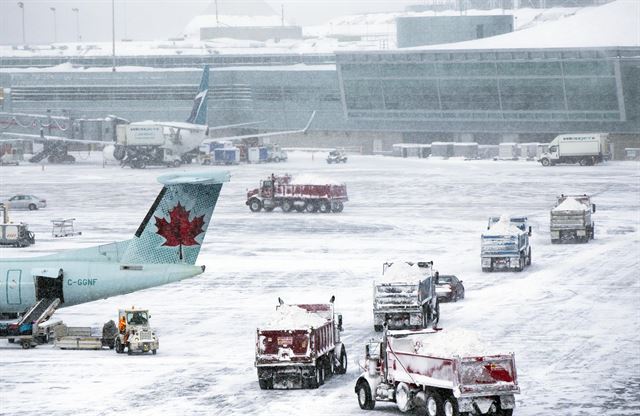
point(179, 231)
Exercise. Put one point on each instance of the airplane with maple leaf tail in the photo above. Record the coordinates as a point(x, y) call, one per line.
point(163, 250)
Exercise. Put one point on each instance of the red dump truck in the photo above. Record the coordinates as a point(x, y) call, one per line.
point(300, 346)
point(302, 194)
point(439, 373)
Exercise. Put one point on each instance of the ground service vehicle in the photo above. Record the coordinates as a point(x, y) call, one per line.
point(449, 288)
point(137, 335)
point(276, 154)
point(433, 371)
point(505, 246)
point(300, 347)
point(336, 156)
point(405, 296)
point(16, 235)
point(571, 220)
point(288, 194)
point(586, 149)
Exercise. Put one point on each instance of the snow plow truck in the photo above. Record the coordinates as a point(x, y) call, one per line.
point(440, 373)
point(310, 195)
point(300, 347)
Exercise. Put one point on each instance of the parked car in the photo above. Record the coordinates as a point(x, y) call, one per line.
point(449, 288)
point(336, 156)
point(30, 202)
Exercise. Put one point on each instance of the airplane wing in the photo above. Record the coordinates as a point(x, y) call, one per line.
point(274, 133)
point(16, 137)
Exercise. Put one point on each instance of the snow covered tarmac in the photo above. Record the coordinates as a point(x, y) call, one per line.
point(572, 318)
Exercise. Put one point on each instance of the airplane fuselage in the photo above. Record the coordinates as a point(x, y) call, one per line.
point(25, 281)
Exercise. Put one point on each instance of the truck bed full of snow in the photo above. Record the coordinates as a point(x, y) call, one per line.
point(291, 317)
point(570, 204)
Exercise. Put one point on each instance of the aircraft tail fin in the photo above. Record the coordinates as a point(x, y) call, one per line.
point(199, 111)
point(175, 226)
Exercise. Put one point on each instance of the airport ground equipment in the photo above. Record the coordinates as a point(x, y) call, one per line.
point(571, 220)
point(26, 328)
point(336, 156)
point(404, 297)
point(63, 227)
point(137, 335)
point(83, 338)
point(505, 246)
point(300, 347)
point(14, 235)
point(284, 192)
point(585, 149)
point(427, 371)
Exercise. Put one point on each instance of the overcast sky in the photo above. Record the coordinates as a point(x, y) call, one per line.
point(155, 19)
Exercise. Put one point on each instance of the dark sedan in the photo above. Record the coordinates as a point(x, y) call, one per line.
point(449, 288)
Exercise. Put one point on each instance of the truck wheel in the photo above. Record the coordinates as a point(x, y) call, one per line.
point(176, 164)
point(26, 344)
point(129, 351)
point(434, 404)
point(337, 206)
point(545, 162)
point(153, 352)
point(287, 205)
point(403, 397)
point(593, 231)
point(324, 207)
point(450, 407)
point(584, 162)
point(377, 328)
point(436, 313)
point(255, 205)
point(520, 264)
point(319, 375)
point(265, 384)
point(311, 206)
point(365, 398)
point(342, 366)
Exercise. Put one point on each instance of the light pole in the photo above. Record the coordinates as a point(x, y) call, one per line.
point(77, 12)
point(113, 35)
point(24, 38)
point(55, 28)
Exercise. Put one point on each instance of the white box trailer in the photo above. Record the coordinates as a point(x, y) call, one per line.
point(585, 149)
point(128, 135)
point(508, 151)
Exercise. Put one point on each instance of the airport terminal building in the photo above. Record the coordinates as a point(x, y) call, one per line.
point(488, 91)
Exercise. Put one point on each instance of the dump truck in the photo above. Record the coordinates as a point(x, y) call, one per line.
point(438, 372)
point(300, 346)
point(310, 195)
point(585, 149)
point(505, 246)
point(134, 332)
point(405, 296)
point(571, 219)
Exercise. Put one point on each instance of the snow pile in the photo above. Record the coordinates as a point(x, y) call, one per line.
point(309, 179)
point(293, 317)
point(570, 204)
point(611, 25)
point(447, 343)
point(503, 227)
point(401, 271)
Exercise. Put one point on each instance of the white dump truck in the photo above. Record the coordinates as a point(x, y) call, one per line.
point(585, 149)
point(440, 373)
point(404, 297)
point(134, 332)
point(505, 246)
point(571, 220)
